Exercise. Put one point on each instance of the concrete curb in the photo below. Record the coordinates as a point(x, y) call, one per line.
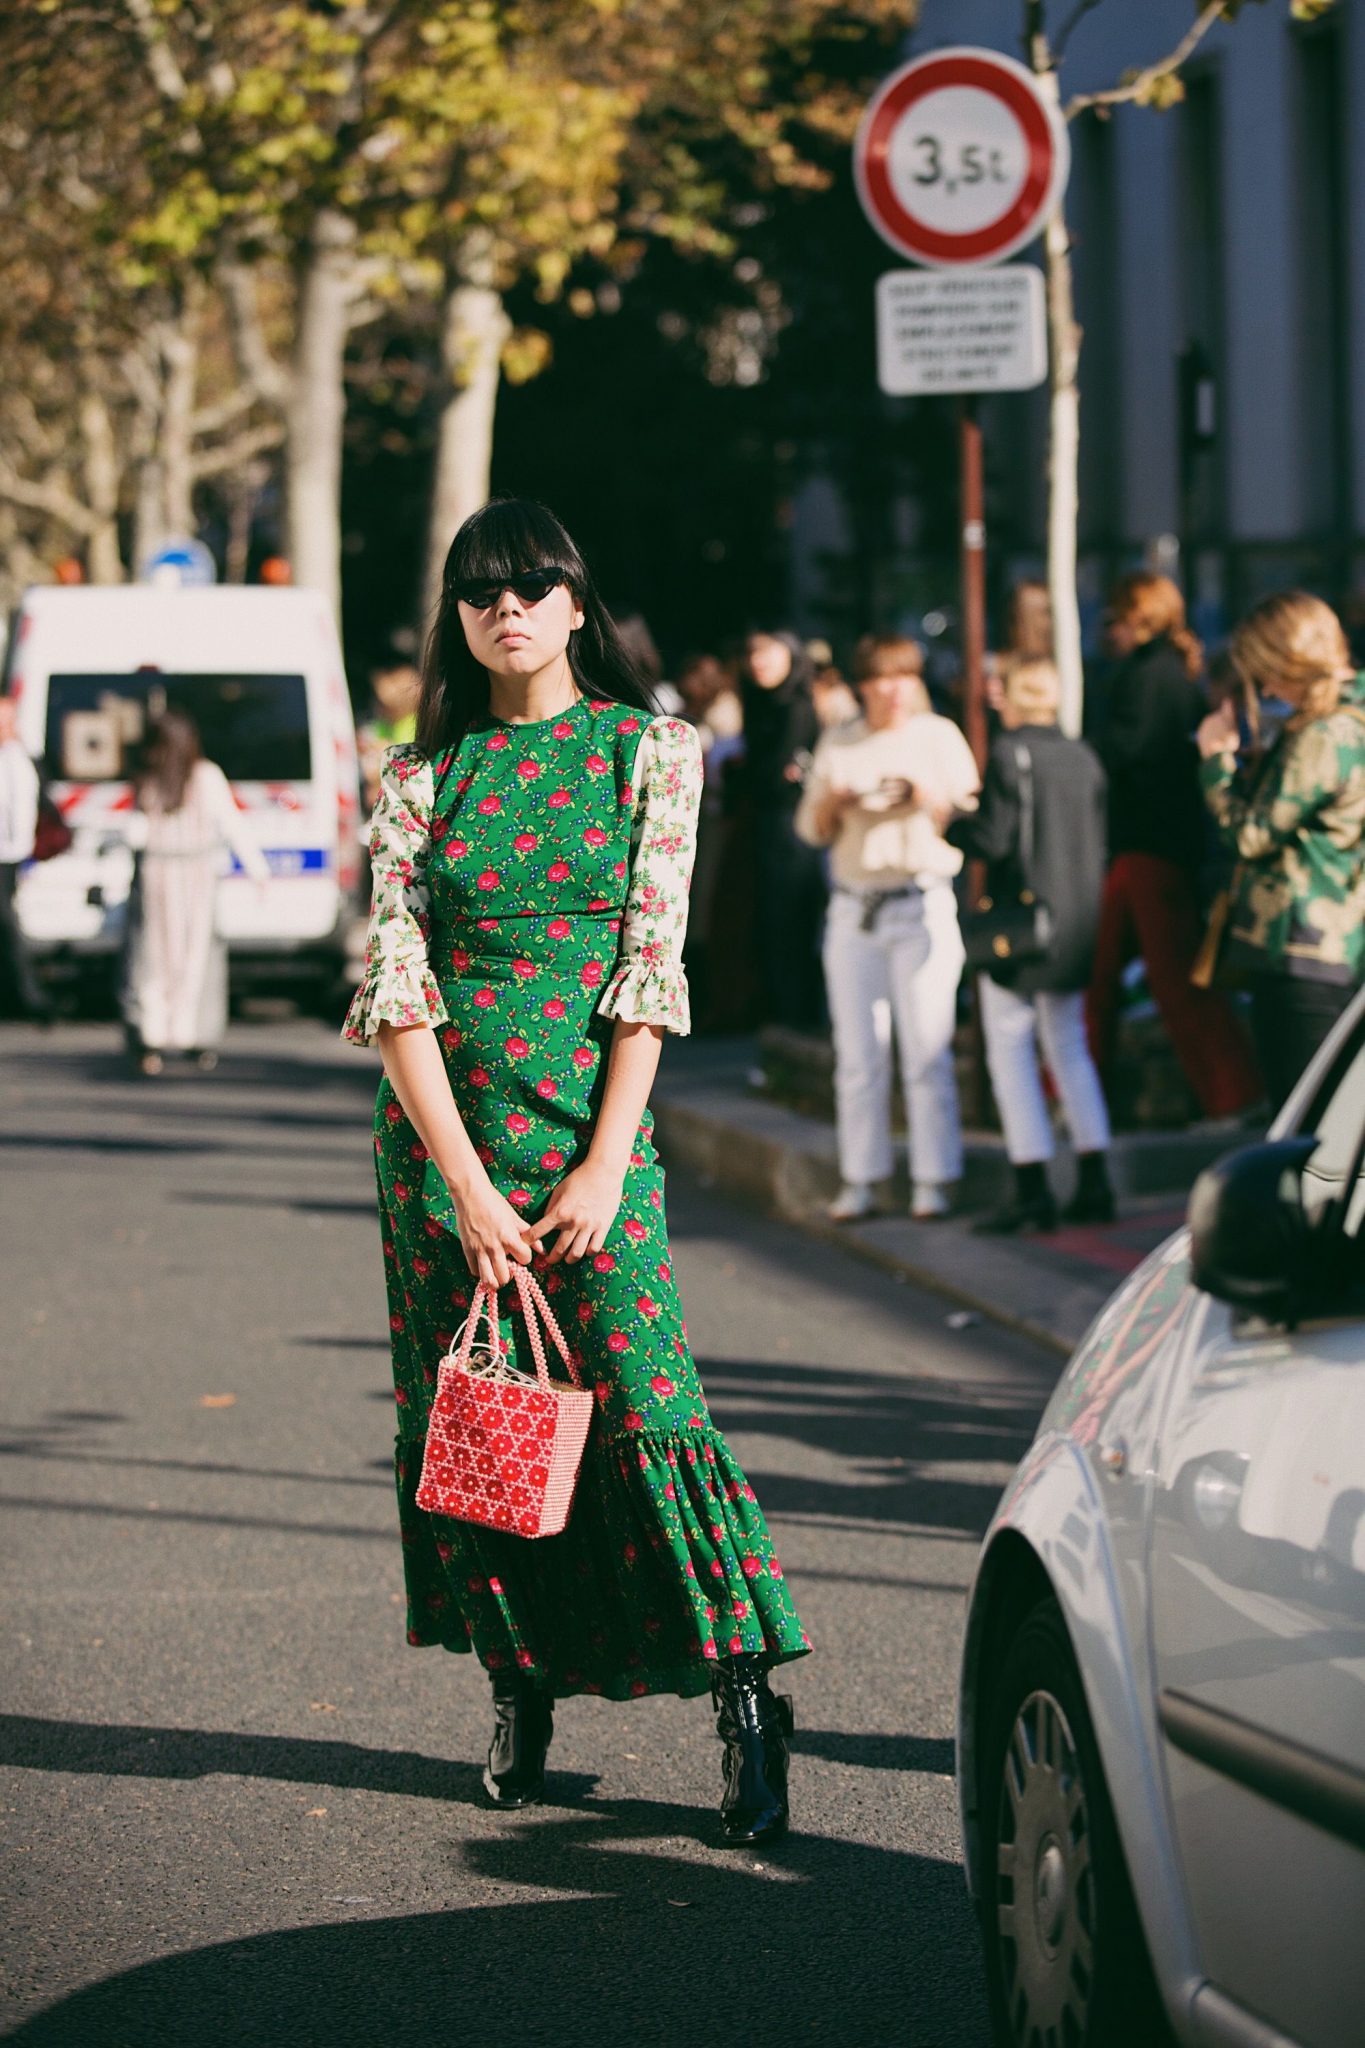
point(784, 1162)
point(770, 1157)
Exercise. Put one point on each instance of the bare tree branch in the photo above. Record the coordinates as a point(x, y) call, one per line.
point(52, 499)
point(164, 70)
point(212, 419)
point(1141, 83)
point(23, 424)
point(235, 454)
point(1070, 26)
point(266, 377)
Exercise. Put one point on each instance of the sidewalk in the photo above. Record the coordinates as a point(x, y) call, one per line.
point(709, 1117)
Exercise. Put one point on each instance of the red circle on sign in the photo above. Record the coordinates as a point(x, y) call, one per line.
point(933, 74)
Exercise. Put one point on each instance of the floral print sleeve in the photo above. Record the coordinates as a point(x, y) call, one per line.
point(649, 986)
point(398, 987)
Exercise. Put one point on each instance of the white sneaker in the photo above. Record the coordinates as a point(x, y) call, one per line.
point(854, 1200)
point(929, 1201)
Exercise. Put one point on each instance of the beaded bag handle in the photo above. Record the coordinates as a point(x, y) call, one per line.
point(532, 1299)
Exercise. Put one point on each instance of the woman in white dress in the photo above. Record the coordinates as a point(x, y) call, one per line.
point(175, 988)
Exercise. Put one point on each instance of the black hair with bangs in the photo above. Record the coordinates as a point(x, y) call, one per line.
point(506, 538)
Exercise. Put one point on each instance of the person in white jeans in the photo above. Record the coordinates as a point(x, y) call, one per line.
point(878, 794)
point(1040, 825)
point(1017, 1029)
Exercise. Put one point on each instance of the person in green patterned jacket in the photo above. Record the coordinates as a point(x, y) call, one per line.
point(1295, 819)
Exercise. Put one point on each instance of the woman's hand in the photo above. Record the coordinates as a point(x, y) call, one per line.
point(582, 1209)
point(1218, 733)
point(491, 1232)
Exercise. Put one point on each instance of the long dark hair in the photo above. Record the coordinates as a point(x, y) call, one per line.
point(169, 753)
point(509, 536)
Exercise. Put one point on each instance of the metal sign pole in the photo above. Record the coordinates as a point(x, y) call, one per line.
point(973, 501)
point(972, 491)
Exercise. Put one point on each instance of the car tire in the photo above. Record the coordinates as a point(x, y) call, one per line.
point(1066, 1962)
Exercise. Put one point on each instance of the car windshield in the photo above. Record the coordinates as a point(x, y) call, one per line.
point(254, 726)
point(1334, 1175)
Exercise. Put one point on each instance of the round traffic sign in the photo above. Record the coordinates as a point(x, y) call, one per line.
point(959, 158)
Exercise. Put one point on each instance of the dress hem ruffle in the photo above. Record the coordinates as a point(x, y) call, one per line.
point(667, 1516)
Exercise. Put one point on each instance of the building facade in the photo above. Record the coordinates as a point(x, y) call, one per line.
point(1219, 251)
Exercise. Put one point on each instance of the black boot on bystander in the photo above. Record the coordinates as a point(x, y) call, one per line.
point(1031, 1207)
point(1093, 1201)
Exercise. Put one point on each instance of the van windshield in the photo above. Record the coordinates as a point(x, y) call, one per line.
point(254, 726)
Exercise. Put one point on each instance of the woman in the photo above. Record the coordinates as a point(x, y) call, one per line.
point(1296, 824)
point(1156, 847)
point(1028, 636)
point(880, 791)
point(1040, 825)
point(781, 727)
point(175, 983)
point(710, 704)
point(531, 858)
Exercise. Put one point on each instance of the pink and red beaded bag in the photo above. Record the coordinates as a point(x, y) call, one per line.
point(503, 1449)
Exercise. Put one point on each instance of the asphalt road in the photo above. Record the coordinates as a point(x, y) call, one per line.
point(237, 1807)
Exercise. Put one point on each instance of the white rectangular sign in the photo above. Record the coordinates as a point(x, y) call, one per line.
point(946, 331)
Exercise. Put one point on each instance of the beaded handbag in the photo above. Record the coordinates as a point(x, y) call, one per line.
point(503, 1448)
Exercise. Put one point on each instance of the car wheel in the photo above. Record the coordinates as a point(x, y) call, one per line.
point(1065, 1958)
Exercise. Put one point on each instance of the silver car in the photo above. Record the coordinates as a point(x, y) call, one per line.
point(1161, 1731)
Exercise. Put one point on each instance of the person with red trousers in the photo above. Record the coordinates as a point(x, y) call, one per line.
point(1151, 903)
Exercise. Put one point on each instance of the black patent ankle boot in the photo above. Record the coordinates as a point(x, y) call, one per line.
point(1093, 1201)
point(1030, 1208)
point(523, 1722)
point(755, 1726)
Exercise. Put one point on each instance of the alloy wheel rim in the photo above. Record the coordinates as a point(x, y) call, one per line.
point(1045, 1890)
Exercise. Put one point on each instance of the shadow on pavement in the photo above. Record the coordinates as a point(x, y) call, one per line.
point(932, 1754)
point(828, 1942)
point(31, 1742)
point(900, 1439)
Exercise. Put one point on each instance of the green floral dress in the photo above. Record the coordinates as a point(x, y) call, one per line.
point(527, 891)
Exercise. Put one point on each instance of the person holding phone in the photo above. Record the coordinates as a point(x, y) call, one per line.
point(880, 793)
point(1293, 819)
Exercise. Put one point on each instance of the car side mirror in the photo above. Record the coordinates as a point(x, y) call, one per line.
point(1250, 1238)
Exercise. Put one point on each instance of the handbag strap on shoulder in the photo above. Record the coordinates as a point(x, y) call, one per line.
point(1023, 762)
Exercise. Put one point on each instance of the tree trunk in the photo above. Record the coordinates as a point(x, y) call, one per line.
point(474, 332)
point(101, 478)
point(1064, 413)
point(315, 408)
point(180, 371)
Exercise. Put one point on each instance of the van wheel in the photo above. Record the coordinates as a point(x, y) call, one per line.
point(1066, 1962)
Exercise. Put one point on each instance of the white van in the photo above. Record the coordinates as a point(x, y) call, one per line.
point(260, 672)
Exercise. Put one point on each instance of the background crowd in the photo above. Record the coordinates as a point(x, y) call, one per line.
point(860, 872)
point(1205, 835)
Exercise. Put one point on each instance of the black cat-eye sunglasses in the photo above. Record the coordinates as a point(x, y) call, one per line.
point(529, 588)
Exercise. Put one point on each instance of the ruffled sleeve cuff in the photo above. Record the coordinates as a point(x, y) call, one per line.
point(393, 992)
point(642, 991)
point(398, 986)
